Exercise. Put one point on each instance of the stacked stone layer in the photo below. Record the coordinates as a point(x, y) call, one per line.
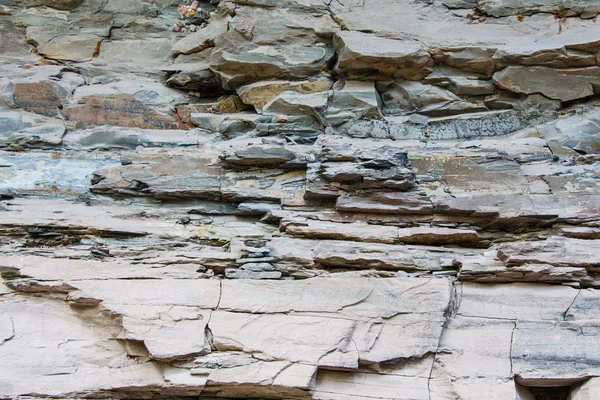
point(299, 199)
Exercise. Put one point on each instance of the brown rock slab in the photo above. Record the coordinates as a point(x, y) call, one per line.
point(119, 110)
point(437, 236)
point(354, 231)
point(385, 203)
point(44, 98)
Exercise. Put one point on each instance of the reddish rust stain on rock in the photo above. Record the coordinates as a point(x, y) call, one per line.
point(40, 97)
point(119, 110)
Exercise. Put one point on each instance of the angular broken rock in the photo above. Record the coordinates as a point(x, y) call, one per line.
point(560, 84)
point(361, 55)
point(260, 93)
point(136, 263)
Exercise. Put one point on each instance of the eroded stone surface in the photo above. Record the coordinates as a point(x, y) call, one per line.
point(299, 199)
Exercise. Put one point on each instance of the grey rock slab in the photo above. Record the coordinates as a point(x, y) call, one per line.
point(581, 232)
point(279, 187)
point(407, 97)
point(143, 89)
point(470, 173)
point(137, 54)
point(266, 155)
point(544, 55)
point(251, 274)
point(585, 306)
point(471, 87)
point(264, 62)
point(204, 38)
point(81, 47)
point(476, 59)
point(351, 100)
point(41, 136)
point(63, 269)
point(158, 173)
point(264, 43)
point(362, 55)
point(294, 103)
point(474, 125)
point(297, 253)
point(43, 173)
point(10, 121)
point(560, 84)
point(258, 267)
point(503, 8)
point(255, 209)
point(421, 335)
point(546, 351)
point(106, 221)
point(255, 260)
point(112, 137)
point(351, 303)
point(227, 123)
point(566, 136)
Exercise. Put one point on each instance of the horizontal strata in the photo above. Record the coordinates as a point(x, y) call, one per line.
point(290, 199)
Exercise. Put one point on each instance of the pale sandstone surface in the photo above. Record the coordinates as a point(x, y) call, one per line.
point(299, 199)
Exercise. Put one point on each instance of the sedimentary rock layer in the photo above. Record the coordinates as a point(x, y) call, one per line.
point(292, 199)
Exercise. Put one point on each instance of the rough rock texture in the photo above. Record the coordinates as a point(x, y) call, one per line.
point(300, 199)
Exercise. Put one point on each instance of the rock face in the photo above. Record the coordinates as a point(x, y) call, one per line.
point(299, 199)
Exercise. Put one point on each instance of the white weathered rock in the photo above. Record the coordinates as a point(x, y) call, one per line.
point(586, 390)
point(517, 301)
point(474, 358)
point(307, 249)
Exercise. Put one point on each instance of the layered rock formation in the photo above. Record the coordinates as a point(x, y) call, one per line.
point(293, 199)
